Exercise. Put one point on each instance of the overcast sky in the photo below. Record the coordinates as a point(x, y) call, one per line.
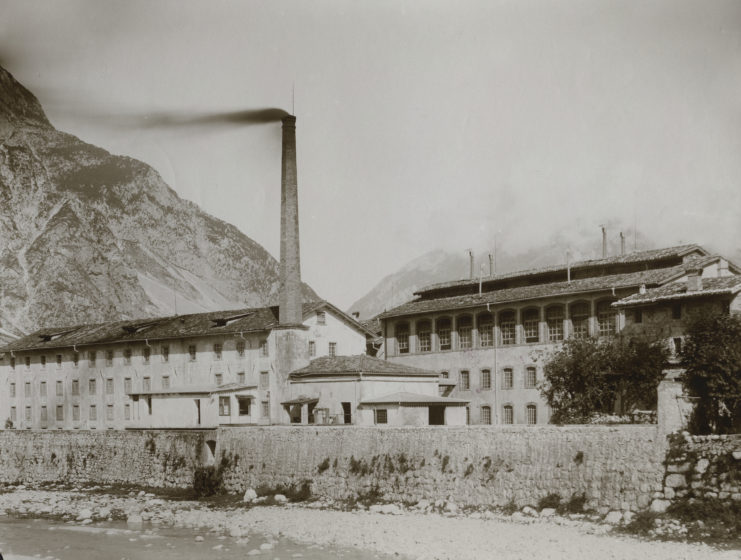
point(420, 125)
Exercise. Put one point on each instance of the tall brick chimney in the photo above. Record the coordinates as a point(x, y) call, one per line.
point(290, 312)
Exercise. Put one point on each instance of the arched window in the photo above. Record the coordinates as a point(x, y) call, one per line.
point(554, 319)
point(606, 318)
point(508, 416)
point(531, 377)
point(486, 415)
point(465, 330)
point(530, 324)
point(579, 312)
point(402, 337)
point(443, 333)
point(486, 330)
point(507, 378)
point(486, 379)
point(531, 414)
point(507, 327)
point(424, 336)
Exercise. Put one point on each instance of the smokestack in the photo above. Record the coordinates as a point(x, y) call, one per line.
point(622, 243)
point(470, 258)
point(290, 311)
point(491, 264)
point(604, 242)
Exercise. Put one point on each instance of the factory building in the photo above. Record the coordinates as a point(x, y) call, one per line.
point(489, 338)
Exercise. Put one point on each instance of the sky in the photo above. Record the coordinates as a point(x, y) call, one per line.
point(420, 125)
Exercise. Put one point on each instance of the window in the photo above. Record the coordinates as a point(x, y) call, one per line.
point(486, 330)
point(485, 379)
point(508, 414)
point(605, 319)
point(486, 415)
point(60, 413)
point(13, 414)
point(12, 389)
point(241, 378)
point(677, 346)
point(677, 311)
point(554, 320)
point(531, 378)
point(402, 338)
point(109, 413)
point(332, 349)
point(465, 381)
point(76, 413)
point(264, 380)
point(264, 348)
point(91, 357)
point(580, 319)
point(43, 361)
point(465, 330)
point(638, 316)
point(530, 325)
point(76, 358)
point(424, 337)
point(443, 333)
point(312, 348)
point(92, 413)
point(59, 360)
point(75, 387)
point(240, 348)
point(321, 318)
point(127, 411)
point(127, 356)
point(507, 327)
point(44, 414)
point(28, 362)
point(12, 362)
point(28, 413)
point(218, 379)
point(42, 388)
point(27, 389)
point(531, 414)
point(147, 384)
point(468, 415)
point(266, 409)
point(507, 378)
point(109, 386)
point(165, 352)
point(217, 351)
point(91, 386)
point(445, 374)
point(109, 358)
point(192, 352)
point(381, 415)
point(60, 388)
point(146, 354)
point(127, 385)
point(165, 381)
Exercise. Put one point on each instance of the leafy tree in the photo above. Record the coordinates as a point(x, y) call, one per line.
point(712, 360)
point(590, 375)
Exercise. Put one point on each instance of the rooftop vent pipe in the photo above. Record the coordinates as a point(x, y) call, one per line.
point(604, 242)
point(470, 258)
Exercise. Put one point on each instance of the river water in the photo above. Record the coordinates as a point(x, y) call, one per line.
point(56, 540)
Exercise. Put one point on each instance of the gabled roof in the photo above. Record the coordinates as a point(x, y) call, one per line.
point(355, 366)
point(414, 398)
point(258, 319)
point(727, 285)
point(653, 255)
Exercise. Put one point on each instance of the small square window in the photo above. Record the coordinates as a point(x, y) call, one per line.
point(381, 416)
point(192, 352)
point(445, 374)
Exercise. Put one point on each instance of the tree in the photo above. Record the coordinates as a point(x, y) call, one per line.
point(712, 360)
point(590, 375)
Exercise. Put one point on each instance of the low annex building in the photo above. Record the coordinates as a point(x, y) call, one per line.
point(366, 390)
point(490, 337)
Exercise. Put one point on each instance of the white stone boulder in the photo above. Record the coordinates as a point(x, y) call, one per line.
point(249, 495)
point(614, 517)
point(659, 506)
point(530, 512)
point(547, 512)
point(280, 499)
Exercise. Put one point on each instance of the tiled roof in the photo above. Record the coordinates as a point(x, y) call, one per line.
point(413, 398)
point(354, 365)
point(178, 326)
point(638, 257)
point(678, 290)
point(373, 325)
point(538, 291)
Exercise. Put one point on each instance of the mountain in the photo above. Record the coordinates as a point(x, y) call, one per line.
point(88, 236)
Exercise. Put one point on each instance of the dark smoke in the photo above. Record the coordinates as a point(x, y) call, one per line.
point(247, 117)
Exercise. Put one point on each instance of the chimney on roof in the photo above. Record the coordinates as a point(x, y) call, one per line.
point(290, 311)
point(622, 243)
point(356, 314)
point(604, 242)
point(694, 279)
point(470, 258)
point(491, 264)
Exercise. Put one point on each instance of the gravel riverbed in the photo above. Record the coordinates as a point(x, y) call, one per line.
point(407, 532)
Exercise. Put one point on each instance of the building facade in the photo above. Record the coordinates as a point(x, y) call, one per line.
point(491, 337)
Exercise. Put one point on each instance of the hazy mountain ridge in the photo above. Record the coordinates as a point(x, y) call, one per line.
point(89, 236)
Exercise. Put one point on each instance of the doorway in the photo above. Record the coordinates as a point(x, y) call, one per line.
point(347, 413)
point(436, 416)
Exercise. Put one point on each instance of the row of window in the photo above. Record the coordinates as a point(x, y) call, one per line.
point(508, 414)
point(146, 353)
point(332, 349)
point(442, 329)
point(110, 387)
point(92, 413)
point(530, 378)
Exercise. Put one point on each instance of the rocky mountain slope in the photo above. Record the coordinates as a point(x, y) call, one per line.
point(89, 236)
